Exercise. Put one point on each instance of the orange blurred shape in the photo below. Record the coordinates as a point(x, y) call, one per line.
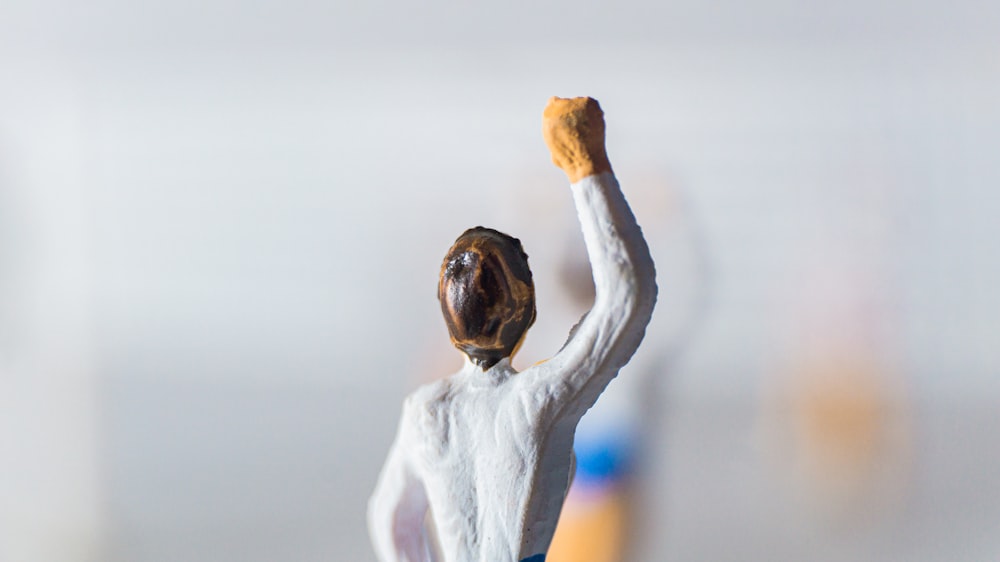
point(841, 414)
point(591, 529)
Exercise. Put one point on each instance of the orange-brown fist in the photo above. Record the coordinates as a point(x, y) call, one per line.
point(574, 130)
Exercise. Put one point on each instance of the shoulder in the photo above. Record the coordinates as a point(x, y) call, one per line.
point(428, 412)
point(428, 399)
point(540, 388)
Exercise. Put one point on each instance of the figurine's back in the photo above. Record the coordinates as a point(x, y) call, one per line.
point(481, 443)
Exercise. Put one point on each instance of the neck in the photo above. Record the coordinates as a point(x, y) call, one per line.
point(498, 371)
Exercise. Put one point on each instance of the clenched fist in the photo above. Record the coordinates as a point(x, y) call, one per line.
point(574, 131)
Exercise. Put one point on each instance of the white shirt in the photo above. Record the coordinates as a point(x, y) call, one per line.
point(485, 456)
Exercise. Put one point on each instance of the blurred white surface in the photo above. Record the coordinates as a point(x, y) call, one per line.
point(51, 498)
point(230, 220)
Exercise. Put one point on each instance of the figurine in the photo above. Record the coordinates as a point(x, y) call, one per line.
point(482, 459)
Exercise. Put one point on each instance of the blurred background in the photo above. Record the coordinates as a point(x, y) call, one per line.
point(221, 226)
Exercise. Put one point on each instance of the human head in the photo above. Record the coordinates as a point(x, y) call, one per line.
point(487, 296)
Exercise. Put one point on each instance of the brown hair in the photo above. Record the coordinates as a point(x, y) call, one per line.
point(486, 293)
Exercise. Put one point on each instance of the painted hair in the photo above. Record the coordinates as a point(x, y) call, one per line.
point(486, 293)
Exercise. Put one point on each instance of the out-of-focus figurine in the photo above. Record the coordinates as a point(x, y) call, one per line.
point(482, 459)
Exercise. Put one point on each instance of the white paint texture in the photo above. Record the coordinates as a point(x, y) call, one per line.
point(481, 461)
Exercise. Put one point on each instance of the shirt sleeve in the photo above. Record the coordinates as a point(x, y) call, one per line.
point(398, 506)
point(625, 283)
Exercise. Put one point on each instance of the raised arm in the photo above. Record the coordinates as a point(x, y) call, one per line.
point(397, 509)
point(624, 277)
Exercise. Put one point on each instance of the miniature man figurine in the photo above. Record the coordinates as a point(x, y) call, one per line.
point(483, 459)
